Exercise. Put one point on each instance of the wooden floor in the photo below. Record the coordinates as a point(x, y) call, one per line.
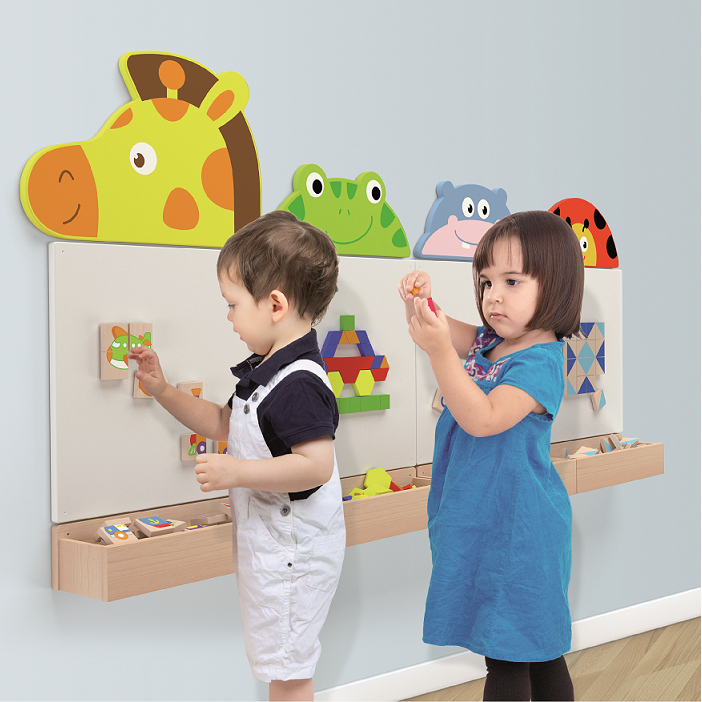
point(663, 664)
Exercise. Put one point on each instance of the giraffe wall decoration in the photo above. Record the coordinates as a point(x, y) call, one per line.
point(175, 165)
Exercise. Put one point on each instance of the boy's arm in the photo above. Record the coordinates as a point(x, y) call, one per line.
point(310, 464)
point(200, 416)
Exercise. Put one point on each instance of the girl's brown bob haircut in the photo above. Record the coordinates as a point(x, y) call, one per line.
point(278, 252)
point(550, 253)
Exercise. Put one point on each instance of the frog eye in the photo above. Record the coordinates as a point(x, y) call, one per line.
point(583, 243)
point(374, 191)
point(143, 158)
point(315, 184)
point(484, 209)
point(468, 207)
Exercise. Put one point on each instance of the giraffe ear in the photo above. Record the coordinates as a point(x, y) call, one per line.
point(227, 97)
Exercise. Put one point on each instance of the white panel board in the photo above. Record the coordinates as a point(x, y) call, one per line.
point(111, 453)
point(452, 287)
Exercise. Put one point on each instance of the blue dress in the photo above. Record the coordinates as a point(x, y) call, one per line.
point(500, 521)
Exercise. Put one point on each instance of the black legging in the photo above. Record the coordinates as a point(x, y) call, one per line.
point(528, 681)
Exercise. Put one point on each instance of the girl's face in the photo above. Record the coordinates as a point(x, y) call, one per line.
point(250, 320)
point(509, 296)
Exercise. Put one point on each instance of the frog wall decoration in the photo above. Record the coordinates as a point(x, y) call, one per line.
point(458, 220)
point(354, 213)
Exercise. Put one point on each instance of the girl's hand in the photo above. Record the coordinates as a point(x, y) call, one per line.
point(149, 374)
point(216, 471)
point(415, 284)
point(430, 331)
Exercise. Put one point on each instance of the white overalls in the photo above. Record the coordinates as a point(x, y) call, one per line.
point(287, 554)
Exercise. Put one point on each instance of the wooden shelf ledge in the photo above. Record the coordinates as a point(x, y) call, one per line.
point(113, 572)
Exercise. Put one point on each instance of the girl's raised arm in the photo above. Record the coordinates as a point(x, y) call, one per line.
point(417, 284)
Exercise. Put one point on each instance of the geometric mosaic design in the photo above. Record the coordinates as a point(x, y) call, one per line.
point(584, 359)
point(361, 372)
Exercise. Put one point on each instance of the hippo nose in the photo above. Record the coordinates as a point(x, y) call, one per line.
point(61, 197)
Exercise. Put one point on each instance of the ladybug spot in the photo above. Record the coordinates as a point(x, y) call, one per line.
point(611, 248)
point(557, 211)
point(601, 224)
point(569, 222)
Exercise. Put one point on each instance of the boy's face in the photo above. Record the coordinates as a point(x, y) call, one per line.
point(250, 320)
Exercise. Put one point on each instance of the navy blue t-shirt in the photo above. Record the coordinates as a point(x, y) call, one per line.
point(299, 408)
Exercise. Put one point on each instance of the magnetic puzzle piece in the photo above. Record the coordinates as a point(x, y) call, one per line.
point(364, 383)
point(140, 335)
point(438, 403)
point(209, 520)
point(114, 347)
point(598, 400)
point(191, 446)
point(336, 382)
point(156, 526)
point(221, 447)
point(115, 532)
point(194, 389)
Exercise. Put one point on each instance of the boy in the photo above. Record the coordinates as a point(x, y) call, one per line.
point(278, 276)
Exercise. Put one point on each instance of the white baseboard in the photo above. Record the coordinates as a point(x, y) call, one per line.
point(463, 667)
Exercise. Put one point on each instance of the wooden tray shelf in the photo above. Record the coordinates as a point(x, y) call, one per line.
point(605, 469)
point(112, 572)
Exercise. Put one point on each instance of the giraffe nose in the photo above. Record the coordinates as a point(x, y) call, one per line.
point(180, 210)
point(61, 195)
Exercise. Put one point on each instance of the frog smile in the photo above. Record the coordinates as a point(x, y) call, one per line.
point(344, 243)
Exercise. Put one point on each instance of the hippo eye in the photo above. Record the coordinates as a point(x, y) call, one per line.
point(583, 243)
point(374, 192)
point(315, 184)
point(468, 207)
point(143, 158)
point(484, 209)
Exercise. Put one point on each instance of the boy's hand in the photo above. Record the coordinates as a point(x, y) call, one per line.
point(149, 374)
point(429, 330)
point(415, 284)
point(216, 471)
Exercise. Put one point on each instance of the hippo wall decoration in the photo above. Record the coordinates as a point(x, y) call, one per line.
point(175, 165)
point(458, 219)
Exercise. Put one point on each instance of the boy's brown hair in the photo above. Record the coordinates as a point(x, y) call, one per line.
point(550, 253)
point(278, 252)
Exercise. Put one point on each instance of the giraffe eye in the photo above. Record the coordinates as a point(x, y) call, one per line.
point(143, 158)
point(374, 192)
point(315, 184)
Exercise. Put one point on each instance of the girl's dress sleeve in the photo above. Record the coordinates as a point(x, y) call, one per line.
point(538, 371)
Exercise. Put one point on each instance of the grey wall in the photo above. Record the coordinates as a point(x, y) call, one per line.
point(597, 99)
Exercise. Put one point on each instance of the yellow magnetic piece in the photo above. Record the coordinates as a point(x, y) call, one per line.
point(336, 382)
point(377, 477)
point(364, 383)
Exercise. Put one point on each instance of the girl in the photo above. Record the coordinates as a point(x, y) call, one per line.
point(499, 514)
